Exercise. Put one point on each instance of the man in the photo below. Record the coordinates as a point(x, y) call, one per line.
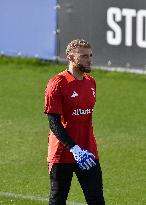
point(69, 101)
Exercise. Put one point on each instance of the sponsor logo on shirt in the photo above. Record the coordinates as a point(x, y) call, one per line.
point(82, 111)
point(74, 94)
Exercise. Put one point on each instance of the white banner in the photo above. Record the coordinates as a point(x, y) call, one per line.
point(27, 28)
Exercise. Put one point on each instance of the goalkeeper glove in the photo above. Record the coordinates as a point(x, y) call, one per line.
point(83, 158)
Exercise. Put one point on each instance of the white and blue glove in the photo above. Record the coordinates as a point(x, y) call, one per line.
point(83, 158)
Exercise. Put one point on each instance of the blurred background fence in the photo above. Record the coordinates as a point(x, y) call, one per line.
point(42, 29)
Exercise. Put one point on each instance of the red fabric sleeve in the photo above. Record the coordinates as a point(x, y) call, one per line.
point(53, 96)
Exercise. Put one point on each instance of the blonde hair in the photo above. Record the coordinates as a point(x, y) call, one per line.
point(77, 43)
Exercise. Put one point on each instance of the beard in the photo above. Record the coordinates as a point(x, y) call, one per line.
point(83, 68)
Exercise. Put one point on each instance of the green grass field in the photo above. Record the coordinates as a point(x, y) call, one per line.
point(119, 123)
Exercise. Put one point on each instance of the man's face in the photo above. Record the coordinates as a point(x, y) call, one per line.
point(81, 58)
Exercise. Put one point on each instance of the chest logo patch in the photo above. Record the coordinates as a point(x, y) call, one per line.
point(93, 91)
point(75, 94)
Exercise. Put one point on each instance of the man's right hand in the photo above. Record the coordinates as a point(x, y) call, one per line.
point(83, 158)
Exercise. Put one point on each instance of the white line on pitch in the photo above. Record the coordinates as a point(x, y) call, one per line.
point(21, 196)
point(33, 198)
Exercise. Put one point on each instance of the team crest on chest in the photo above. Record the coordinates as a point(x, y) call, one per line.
point(93, 91)
point(75, 94)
